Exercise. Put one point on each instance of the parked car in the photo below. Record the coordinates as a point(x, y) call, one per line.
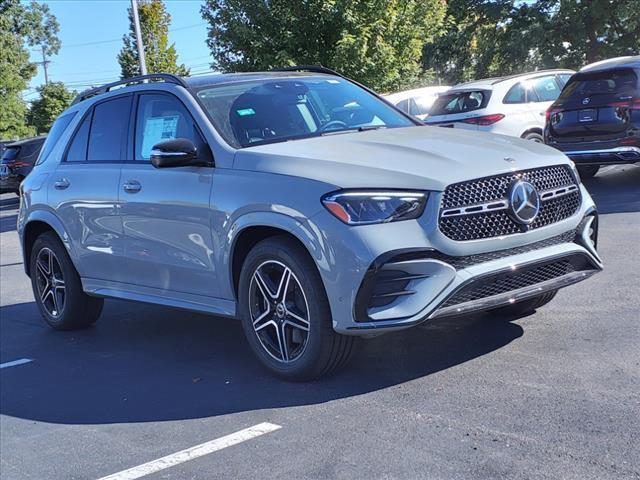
point(596, 119)
point(17, 161)
point(417, 102)
point(299, 202)
point(513, 106)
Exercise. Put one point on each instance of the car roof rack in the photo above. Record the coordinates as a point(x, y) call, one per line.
point(308, 68)
point(92, 92)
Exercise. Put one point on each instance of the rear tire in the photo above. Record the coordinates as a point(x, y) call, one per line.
point(534, 137)
point(526, 306)
point(57, 287)
point(588, 171)
point(280, 295)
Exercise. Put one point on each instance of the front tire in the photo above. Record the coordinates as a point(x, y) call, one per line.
point(526, 306)
point(285, 312)
point(57, 287)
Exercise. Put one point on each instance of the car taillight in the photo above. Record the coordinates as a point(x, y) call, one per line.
point(550, 111)
point(484, 120)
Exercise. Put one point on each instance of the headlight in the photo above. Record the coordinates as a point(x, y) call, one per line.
point(364, 207)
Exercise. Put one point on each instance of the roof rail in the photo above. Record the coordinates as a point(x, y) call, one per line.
point(308, 68)
point(92, 92)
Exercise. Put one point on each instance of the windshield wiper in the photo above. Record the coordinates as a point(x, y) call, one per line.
point(364, 128)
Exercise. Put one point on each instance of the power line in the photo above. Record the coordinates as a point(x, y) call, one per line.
point(112, 40)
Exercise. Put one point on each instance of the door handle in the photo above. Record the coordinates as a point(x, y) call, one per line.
point(132, 186)
point(61, 184)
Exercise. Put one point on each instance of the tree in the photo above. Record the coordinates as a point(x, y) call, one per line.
point(54, 99)
point(376, 42)
point(159, 55)
point(500, 37)
point(21, 24)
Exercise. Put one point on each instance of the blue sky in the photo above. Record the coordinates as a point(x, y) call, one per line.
point(101, 24)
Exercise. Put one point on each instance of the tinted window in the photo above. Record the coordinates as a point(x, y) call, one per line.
point(109, 127)
point(459, 102)
point(10, 154)
point(57, 129)
point(278, 110)
point(78, 150)
point(545, 88)
point(609, 84)
point(515, 95)
point(160, 118)
point(564, 78)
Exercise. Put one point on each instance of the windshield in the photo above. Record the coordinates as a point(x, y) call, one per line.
point(268, 111)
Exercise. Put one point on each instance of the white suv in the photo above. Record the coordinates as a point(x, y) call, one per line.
point(417, 102)
point(513, 106)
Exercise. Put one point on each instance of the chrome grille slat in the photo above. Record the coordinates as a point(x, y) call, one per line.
point(461, 220)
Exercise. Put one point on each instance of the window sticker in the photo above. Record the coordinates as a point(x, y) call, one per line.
point(156, 130)
point(246, 111)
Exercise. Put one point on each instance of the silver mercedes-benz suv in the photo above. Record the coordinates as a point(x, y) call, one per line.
point(299, 202)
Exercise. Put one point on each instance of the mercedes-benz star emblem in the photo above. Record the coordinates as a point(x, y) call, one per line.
point(585, 101)
point(524, 202)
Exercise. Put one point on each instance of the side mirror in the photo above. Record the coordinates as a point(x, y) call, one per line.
point(179, 152)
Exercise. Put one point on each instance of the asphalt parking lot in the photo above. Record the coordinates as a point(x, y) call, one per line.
point(555, 394)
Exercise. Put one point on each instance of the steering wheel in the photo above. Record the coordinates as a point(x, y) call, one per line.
point(332, 125)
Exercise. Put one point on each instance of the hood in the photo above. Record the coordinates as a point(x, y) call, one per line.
point(421, 157)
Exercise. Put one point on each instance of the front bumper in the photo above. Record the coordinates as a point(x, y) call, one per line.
point(435, 269)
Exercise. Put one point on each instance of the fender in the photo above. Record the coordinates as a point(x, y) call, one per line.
point(299, 227)
point(55, 223)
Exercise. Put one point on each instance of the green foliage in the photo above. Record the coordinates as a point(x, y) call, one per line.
point(21, 24)
point(500, 37)
point(54, 99)
point(159, 55)
point(376, 42)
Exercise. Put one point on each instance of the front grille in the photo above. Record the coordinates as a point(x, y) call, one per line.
point(493, 191)
point(500, 283)
point(470, 260)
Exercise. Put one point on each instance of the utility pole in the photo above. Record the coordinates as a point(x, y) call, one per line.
point(44, 64)
point(136, 23)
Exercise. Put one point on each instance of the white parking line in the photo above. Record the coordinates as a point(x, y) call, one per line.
point(15, 363)
point(194, 452)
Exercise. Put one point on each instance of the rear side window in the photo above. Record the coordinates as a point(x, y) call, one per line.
point(546, 89)
point(612, 83)
point(516, 94)
point(403, 105)
point(78, 149)
point(108, 132)
point(57, 129)
point(460, 102)
point(421, 105)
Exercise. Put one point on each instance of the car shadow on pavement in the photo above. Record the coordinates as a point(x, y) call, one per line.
point(144, 363)
point(616, 190)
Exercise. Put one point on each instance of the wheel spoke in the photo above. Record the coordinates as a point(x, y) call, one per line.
point(262, 285)
point(296, 321)
point(282, 343)
point(281, 295)
point(42, 268)
point(56, 303)
point(260, 320)
point(44, 294)
point(51, 272)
